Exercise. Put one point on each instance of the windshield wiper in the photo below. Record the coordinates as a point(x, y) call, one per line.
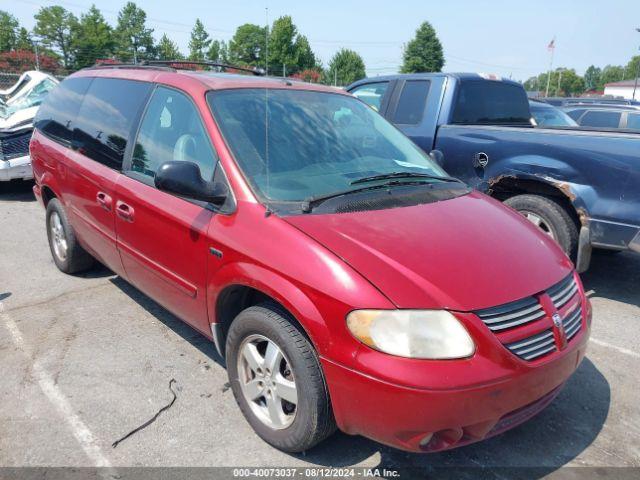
point(310, 202)
point(385, 176)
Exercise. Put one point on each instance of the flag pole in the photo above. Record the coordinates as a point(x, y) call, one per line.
point(552, 48)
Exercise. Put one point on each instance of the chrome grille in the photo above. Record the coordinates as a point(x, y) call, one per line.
point(511, 314)
point(562, 292)
point(14, 145)
point(505, 320)
point(534, 346)
point(572, 323)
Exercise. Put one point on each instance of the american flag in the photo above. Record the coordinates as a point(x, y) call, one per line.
point(552, 45)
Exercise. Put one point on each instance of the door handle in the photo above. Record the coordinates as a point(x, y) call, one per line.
point(124, 211)
point(104, 200)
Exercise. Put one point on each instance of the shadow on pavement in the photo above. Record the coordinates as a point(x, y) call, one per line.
point(187, 332)
point(17, 191)
point(614, 276)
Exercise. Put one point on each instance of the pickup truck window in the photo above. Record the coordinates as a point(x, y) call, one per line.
point(481, 102)
point(412, 101)
point(633, 121)
point(371, 94)
point(602, 119)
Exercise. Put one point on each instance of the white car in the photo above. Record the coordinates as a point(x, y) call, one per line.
point(21, 102)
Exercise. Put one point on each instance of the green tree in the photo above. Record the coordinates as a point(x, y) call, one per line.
point(168, 50)
point(283, 55)
point(424, 52)
point(8, 31)
point(134, 39)
point(306, 59)
point(23, 41)
point(633, 68)
point(247, 47)
point(55, 25)
point(92, 38)
point(592, 77)
point(610, 74)
point(345, 67)
point(199, 42)
point(218, 51)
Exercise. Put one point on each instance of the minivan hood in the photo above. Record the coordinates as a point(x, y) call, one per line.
point(467, 253)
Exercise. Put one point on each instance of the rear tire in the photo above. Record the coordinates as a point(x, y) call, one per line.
point(300, 425)
point(67, 253)
point(551, 217)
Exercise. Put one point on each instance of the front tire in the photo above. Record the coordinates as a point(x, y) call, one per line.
point(277, 380)
point(67, 253)
point(550, 217)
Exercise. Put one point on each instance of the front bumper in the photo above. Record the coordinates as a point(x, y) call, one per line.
point(16, 169)
point(453, 411)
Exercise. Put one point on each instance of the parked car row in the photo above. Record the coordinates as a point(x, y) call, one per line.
point(345, 277)
point(18, 106)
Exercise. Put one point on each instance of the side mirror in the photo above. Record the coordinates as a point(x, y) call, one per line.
point(184, 178)
point(437, 156)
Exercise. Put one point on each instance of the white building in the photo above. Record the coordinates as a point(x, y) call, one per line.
point(622, 89)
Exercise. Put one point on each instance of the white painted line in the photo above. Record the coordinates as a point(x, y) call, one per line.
point(626, 351)
point(83, 435)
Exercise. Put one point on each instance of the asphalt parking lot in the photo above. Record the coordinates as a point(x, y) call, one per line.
point(86, 359)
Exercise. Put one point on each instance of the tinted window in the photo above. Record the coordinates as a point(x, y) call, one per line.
point(105, 118)
point(371, 94)
point(172, 130)
point(412, 102)
point(483, 102)
point(58, 112)
point(633, 121)
point(595, 118)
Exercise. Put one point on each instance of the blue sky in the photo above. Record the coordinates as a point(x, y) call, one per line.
point(509, 38)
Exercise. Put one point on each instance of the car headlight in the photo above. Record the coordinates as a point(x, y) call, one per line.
point(432, 334)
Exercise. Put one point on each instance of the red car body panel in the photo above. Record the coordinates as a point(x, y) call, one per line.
point(463, 254)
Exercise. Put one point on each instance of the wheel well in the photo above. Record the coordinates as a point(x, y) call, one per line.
point(236, 298)
point(47, 195)
point(508, 187)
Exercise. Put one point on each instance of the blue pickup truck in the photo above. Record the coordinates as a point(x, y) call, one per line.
point(581, 186)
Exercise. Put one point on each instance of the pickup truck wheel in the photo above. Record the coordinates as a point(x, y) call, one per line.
point(67, 253)
point(551, 217)
point(276, 379)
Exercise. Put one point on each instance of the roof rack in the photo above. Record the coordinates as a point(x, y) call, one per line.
point(186, 63)
point(141, 65)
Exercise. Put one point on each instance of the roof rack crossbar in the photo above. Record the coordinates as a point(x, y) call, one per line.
point(186, 63)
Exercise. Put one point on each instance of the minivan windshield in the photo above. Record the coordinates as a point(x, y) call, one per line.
point(293, 145)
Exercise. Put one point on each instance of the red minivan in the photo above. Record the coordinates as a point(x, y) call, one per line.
point(345, 278)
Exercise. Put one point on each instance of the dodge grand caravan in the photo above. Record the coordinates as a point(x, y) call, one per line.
point(345, 278)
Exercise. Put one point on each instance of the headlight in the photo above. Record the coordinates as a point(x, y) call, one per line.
point(432, 334)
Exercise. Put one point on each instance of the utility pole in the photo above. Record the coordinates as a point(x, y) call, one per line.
point(335, 77)
point(635, 84)
point(559, 80)
point(284, 70)
point(35, 47)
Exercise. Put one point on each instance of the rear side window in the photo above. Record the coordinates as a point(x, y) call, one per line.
point(106, 116)
point(633, 121)
point(172, 131)
point(484, 102)
point(576, 114)
point(412, 102)
point(595, 118)
point(371, 94)
point(58, 112)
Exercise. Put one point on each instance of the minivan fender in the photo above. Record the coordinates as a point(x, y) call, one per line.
point(274, 286)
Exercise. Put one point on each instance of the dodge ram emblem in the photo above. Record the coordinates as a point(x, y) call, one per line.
point(557, 320)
